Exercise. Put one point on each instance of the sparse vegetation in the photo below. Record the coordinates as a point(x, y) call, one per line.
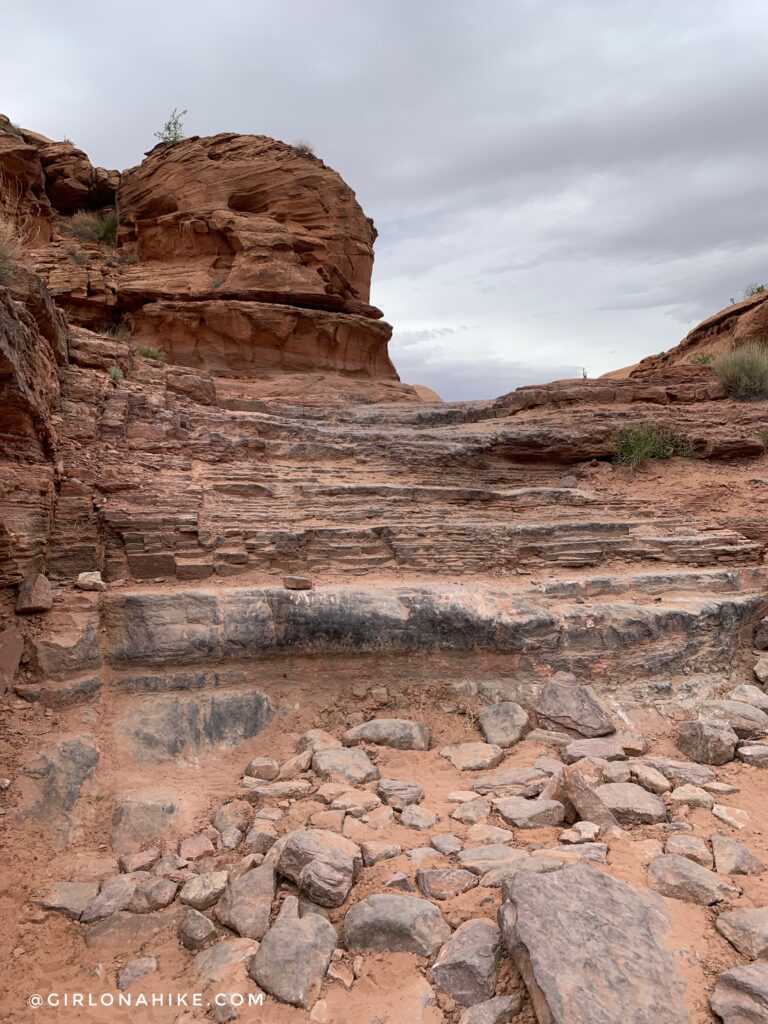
point(701, 360)
point(304, 147)
point(151, 353)
point(744, 371)
point(764, 437)
point(10, 248)
point(119, 332)
point(116, 373)
point(645, 441)
point(93, 227)
point(173, 129)
point(749, 292)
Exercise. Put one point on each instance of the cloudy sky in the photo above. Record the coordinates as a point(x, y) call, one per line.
point(557, 186)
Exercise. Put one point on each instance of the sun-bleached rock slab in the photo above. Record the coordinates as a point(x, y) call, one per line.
point(591, 950)
point(399, 733)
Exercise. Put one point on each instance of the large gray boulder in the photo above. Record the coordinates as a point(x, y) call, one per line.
point(473, 756)
point(293, 957)
point(522, 813)
point(399, 794)
point(396, 924)
point(591, 950)
point(631, 804)
point(399, 733)
point(747, 721)
point(683, 879)
point(733, 858)
point(322, 863)
point(342, 764)
point(707, 742)
point(741, 994)
point(246, 904)
point(563, 705)
point(503, 724)
point(746, 928)
point(467, 964)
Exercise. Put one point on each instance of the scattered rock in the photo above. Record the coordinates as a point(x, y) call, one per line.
point(472, 812)
point(582, 832)
point(447, 843)
point(236, 814)
point(374, 852)
point(124, 933)
point(202, 891)
point(587, 804)
point(153, 893)
point(691, 847)
point(265, 768)
point(293, 957)
point(143, 860)
point(316, 739)
point(467, 964)
point(135, 970)
point(746, 928)
point(115, 894)
point(90, 581)
point(750, 694)
point(196, 930)
point(498, 1010)
point(707, 742)
point(342, 764)
point(297, 582)
point(444, 883)
point(647, 777)
point(681, 772)
point(623, 969)
point(747, 721)
point(732, 858)
point(631, 804)
point(396, 924)
point(399, 733)
point(414, 817)
point(35, 595)
point(741, 994)
point(683, 879)
point(215, 963)
point(564, 705)
point(472, 757)
point(516, 810)
point(246, 903)
point(608, 749)
point(754, 754)
point(482, 859)
point(69, 898)
point(732, 816)
point(399, 794)
point(356, 802)
point(323, 865)
point(503, 724)
point(195, 847)
point(692, 796)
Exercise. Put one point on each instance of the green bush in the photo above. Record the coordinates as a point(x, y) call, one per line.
point(10, 248)
point(93, 227)
point(701, 360)
point(116, 373)
point(644, 441)
point(173, 129)
point(744, 371)
point(151, 353)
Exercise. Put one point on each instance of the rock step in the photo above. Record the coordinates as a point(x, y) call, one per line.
point(197, 626)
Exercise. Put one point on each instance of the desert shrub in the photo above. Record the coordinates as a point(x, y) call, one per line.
point(151, 353)
point(744, 371)
point(701, 360)
point(755, 289)
point(75, 254)
point(304, 147)
point(644, 441)
point(93, 227)
point(10, 248)
point(173, 129)
point(116, 373)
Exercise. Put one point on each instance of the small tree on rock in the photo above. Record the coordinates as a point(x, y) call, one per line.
point(173, 129)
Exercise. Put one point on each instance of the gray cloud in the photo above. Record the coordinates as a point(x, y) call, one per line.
point(579, 182)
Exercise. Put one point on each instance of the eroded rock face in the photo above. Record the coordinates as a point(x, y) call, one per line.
point(577, 973)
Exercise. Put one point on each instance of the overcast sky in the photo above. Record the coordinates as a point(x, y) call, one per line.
point(556, 185)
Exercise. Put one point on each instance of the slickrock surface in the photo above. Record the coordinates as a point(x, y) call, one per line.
point(380, 708)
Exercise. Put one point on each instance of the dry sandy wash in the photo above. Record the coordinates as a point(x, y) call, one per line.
point(322, 695)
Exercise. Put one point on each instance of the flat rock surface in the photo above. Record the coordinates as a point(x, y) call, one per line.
point(741, 994)
point(592, 950)
point(399, 733)
point(397, 924)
